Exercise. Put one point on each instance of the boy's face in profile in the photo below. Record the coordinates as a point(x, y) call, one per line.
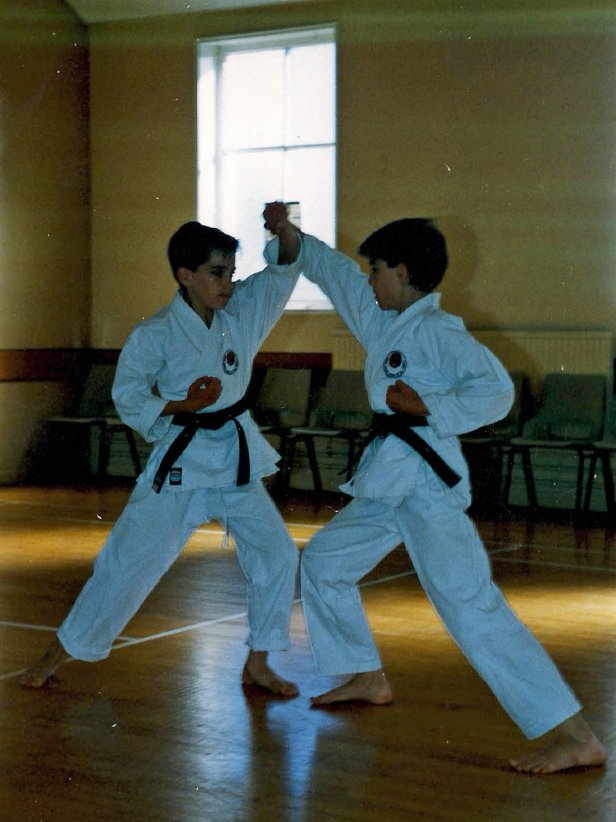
point(387, 284)
point(210, 286)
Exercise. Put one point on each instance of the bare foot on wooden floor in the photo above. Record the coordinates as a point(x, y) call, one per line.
point(368, 686)
point(573, 745)
point(42, 671)
point(258, 672)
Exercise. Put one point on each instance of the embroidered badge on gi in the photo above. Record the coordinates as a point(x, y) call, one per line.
point(175, 476)
point(230, 362)
point(394, 364)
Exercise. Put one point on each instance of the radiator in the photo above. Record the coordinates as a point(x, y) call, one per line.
point(535, 353)
point(347, 353)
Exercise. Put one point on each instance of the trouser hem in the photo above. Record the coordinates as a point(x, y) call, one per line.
point(76, 652)
point(352, 668)
point(542, 728)
point(259, 648)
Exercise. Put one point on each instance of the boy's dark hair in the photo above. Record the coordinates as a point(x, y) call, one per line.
point(193, 243)
point(414, 241)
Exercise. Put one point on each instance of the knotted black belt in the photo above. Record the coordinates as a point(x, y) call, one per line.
point(401, 426)
point(211, 422)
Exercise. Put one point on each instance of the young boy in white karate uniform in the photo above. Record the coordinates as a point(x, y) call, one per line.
point(428, 380)
point(180, 382)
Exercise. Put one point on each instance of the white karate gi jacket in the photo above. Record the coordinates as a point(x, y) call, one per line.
point(461, 382)
point(175, 347)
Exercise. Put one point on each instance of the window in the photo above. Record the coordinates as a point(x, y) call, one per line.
point(266, 131)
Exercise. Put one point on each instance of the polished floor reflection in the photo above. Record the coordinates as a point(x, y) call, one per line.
point(163, 730)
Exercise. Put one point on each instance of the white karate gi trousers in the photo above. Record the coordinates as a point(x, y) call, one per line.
point(454, 570)
point(147, 538)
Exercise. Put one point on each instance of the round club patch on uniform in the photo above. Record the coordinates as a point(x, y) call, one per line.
point(394, 364)
point(230, 362)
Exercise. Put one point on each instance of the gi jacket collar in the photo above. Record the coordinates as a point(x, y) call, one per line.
point(190, 323)
point(428, 304)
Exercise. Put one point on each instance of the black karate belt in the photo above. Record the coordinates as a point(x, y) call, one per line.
point(211, 422)
point(401, 426)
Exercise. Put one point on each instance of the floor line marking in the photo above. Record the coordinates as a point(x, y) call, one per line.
point(123, 641)
point(543, 563)
point(129, 641)
point(413, 572)
point(194, 626)
point(12, 674)
point(539, 547)
point(126, 640)
point(299, 541)
point(410, 572)
point(27, 626)
point(30, 626)
point(98, 520)
point(202, 530)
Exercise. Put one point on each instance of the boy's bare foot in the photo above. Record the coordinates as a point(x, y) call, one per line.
point(42, 671)
point(574, 745)
point(258, 672)
point(369, 686)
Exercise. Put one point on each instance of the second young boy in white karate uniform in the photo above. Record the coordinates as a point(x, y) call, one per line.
point(428, 380)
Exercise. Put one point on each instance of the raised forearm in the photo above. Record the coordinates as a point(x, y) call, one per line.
point(289, 237)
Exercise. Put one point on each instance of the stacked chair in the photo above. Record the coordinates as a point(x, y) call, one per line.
point(339, 411)
point(281, 402)
point(602, 452)
point(569, 418)
point(96, 413)
point(302, 407)
point(485, 448)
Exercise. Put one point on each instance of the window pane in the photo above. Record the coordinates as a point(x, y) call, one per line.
point(206, 102)
point(207, 194)
point(309, 175)
point(310, 95)
point(256, 96)
point(310, 178)
point(252, 94)
point(250, 181)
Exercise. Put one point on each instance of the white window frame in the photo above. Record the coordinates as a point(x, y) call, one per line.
point(306, 297)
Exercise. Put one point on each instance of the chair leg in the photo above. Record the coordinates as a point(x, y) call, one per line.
point(104, 449)
point(134, 453)
point(608, 481)
point(509, 475)
point(314, 466)
point(580, 481)
point(592, 467)
point(529, 478)
point(348, 472)
point(287, 448)
point(498, 470)
point(107, 434)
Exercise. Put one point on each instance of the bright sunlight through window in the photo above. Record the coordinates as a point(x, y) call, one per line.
point(266, 123)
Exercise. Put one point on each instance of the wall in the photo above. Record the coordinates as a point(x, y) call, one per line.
point(44, 203)
point(497, 118)
point(497, 121)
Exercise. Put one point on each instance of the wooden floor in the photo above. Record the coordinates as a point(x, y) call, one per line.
point(162, 730)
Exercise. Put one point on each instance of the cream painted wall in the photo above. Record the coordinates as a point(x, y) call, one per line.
point(499, 122)
point(44, 177)
point(44, 204)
